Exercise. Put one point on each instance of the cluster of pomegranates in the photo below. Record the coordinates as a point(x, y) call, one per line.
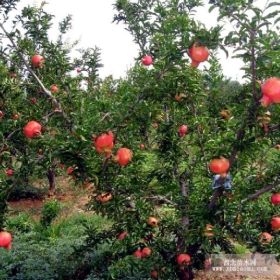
point(104, 144)
point(266, 237)
point(270, 92)
point(197, 54)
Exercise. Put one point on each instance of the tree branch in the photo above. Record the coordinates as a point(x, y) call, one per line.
point(45, 90)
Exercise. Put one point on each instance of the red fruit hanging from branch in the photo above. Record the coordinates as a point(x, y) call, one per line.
point(32, 129)
point(147, 60)
point(275, 199)
point(198, 54)
point(37, 61)
point(54, 89)
point(104, 143)
point(265, 238)
point(275, 223)
point(271, 91)
point(124, 156)
point(183, 259)
point(182, 131)
point(5, 240)
point(219, 166)
point(9, 172)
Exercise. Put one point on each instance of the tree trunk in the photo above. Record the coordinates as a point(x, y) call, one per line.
point(51, 178)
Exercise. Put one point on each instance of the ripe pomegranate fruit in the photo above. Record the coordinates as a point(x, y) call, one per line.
point(195, 64)
point(1, 114)
point(70, 170)
point(271, 89)
point(5, 239)
point(104, 143)
point(138, 254)
point(275, 223)
point(198, 54)
point(154, 274)
point(15, 117)
point(54, 89)
point(33, 100)
point(265, 238)
point(104, 197)
point(182, 131)
point(123, 156)
point(32, 129)
point(142, 146)
point(183, 259)
point(147, 60)
point(9, 172)
point(265, 101)
point(152, 221)
point(146, 252)
point(37, 61)
point(275, 199)
point(122, 235)
point(219, 166)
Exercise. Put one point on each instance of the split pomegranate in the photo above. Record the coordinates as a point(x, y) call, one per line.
point(152, 221)
point(104, 197)
point(265, 238)
point(219, 166)
point(124, 156)
point(32, 129)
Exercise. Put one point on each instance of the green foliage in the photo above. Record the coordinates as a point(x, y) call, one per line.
point(169, 178)
point(49, 212)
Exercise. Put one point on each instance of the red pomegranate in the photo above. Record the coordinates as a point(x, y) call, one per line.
point(265, 238)
point(275, 223)
point(5, 239)
point(9, 172)
point(198, 53)
point(32, 129)
point(219, 166)
point(275, 199)
point(271, 89)
point(105, 143)
point(1, 114)
point(146, 252)
point(147, 60)
point(183, 259)
point(54, 88)
point(182, 131)
point(265, 101)
point(138, 254)
point(124, 156)
point(37, 61)
point(122, 235)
